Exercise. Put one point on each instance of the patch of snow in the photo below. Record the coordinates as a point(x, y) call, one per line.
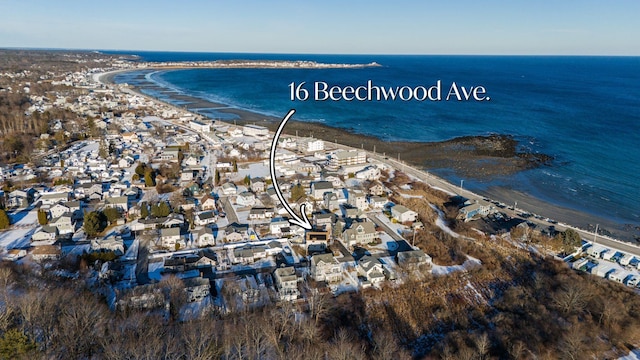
point(470, 263)
point(17, 238)
point(442, 224)
point(407, 196)
point(444, 191)
point(155, 270)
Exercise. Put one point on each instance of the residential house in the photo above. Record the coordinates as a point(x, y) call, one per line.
point(20, 198)
point(258, 185)
point(277, 224)
point(237, 232)
point(75, 208)
point(249, 254)
point(207, 202)
point(413, 258)
point(64, 224)
point(113, 244)
point(57, 210)
point(205, 218)
point(310, 145)
point(324, 267)
point(45, 252)
point(377, 202)
point(197, 289)
point(229, 189)
point(371, 172)
point(318, 189)
point(118, 202)
point(480, 208)
point(371, 268)
point(173, 238)
point(286, 281)
point(377, 189)
point(359, 233)
point(317, 241)
point(357, 199)
point(204, 237)
point(323, 220)
point(401, 214)
point(52, 198)
point(246, 199)
point(260, 213)
point(46, 235)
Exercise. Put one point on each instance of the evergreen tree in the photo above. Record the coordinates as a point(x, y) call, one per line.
point(161, 209)
point(4, 219)
point(42, 217)
point(297, 192)
point(235, 166)
point(247, 180)
point(112, 214)
point(141, 169)
point(102, 151)
point(94, 222)
point(217, 177)
point(14, 344)
point(144, 210)
point(149, 179)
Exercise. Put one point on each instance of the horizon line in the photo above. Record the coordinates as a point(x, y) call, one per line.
point(132, 51)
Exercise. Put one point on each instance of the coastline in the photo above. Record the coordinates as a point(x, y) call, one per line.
point(474, 163)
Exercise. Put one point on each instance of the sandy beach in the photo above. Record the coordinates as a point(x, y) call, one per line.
point(471, 157)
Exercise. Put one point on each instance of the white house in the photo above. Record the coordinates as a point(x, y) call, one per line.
point(204, 237)
point(207, 203)
point(310, 145)
point(246, 199)
point(171, 237)
point(286, 282)
point(402, 214)
point(371, 269)
point(359, 233)
point(325, 267)
point(205, 218)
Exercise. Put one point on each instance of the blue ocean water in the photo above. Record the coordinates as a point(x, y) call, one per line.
point(584, 111)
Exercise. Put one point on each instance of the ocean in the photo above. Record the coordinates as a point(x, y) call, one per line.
point(583, 111)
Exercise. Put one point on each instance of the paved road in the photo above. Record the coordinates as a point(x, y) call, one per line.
point(142, 266)
point(440, 183)
point(394, 235)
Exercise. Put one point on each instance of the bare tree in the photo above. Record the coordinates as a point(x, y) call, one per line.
point(572, 297)
point(483, 344)
point(345, 348)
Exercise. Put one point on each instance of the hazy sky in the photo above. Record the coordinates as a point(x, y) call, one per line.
point(581, 27)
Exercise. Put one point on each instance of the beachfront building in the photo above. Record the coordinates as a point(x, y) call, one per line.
point(255, 130)
point(347, 157)
point(310, 145)
point(200, 126)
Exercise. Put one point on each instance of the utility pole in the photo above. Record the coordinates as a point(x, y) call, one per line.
point(461, 183)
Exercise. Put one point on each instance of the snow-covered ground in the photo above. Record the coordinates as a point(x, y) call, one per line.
point(155, 270)
point(398, 228)
point(132, 250)
point(25, 224)
point(387, 242)
point(254, 170)
point(442, 224)
point(470, 263)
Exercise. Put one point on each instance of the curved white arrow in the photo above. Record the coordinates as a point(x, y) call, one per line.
point(301, 220)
